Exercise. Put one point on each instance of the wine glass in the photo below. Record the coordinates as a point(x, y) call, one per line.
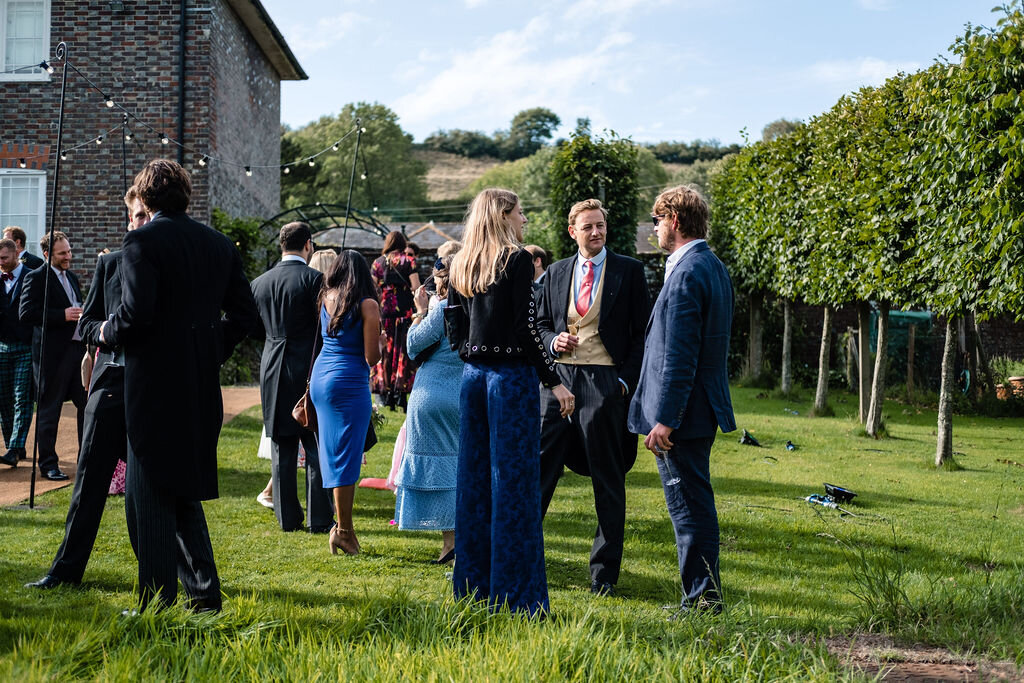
point(574, 330)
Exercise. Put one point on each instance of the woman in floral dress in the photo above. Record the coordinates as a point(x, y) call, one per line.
point(395, 275)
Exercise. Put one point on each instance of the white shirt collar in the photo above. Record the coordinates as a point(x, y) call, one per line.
point(17, 270)
point(596, 261)
point(293, 257)
point(677, 256)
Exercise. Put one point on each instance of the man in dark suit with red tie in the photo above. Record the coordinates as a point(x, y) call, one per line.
point(288, 300)
point(592, 313)
point(58, 367)
point(15, 356)
point(185, 305)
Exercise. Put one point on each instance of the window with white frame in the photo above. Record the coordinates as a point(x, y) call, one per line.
point(23, 203)
point(24, 39)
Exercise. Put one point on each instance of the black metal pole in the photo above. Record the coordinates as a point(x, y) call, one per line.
point(182, 38)
point(62, 56)
point(124, 165)
point(352, 180)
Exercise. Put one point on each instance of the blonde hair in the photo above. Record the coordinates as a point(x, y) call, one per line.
point(488, 242)
point(586, 205)
point(449, 248)
point(322, 260)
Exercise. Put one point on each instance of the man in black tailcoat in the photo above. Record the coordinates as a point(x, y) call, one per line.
point(286, 297)
point(592, 314)
point(177, 277)
point(15, 356)
point(58, 367)
point(104, 439)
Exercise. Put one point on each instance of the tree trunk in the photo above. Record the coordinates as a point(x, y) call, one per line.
point(755, 350)
point(821, 394)
point(863, 359)
point(851, 351)
point(911, 334)
point(986, 369)
point(787, 347)
point(874, 423)
point(971, 348)
point(944, 442)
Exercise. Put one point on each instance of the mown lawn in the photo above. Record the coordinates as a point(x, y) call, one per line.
point(935, 556)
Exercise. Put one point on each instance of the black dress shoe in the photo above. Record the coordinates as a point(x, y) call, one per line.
point(9, 458)
point(320, 529)
point(22, 455)
point(204, 605)
point(700, 608)
point(602, 588)
point(55, 475)
point(50, 581)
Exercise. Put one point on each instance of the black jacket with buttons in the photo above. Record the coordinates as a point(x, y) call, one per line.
point(501, 323)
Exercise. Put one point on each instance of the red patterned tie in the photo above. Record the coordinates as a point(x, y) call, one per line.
point(583, 298)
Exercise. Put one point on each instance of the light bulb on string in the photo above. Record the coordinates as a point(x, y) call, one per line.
point(128, 135)
point(312, 163)
point(375, 209)
point(362, 130)
point(248, 171)
point(202, 160)
point(44, 65)
point(164, 139)
point(286, 169)
point(63, 156)
point(335, 146)
point(109, 102)
point(21, 163)
point(99, 140)
point(362, 176)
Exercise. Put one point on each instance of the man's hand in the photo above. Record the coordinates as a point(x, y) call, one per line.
point(72, 313)
point(103, 331)
point(658, 441)
point(565, 342)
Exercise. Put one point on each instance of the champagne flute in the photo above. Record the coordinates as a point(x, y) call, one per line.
point(574, 330)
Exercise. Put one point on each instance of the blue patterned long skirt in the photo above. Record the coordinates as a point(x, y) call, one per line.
point(499, 543)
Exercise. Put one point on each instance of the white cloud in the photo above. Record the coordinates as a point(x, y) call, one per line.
point(857, 72)
point(308, 39)
point(876, 5)
point(513, 70)
point(473, 4)
point(585, 9)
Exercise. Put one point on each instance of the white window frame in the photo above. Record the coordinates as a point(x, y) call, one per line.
point(28, 74)
point(35, 232)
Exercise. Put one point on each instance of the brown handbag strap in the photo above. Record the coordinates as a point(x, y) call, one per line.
point(312, 358)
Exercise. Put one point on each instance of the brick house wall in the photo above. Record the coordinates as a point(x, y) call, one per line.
point(232, 111)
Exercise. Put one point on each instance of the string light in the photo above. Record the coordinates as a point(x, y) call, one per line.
point(109, 102)
point(164, 139)
point(99, 140)
point(362, 130)
point(21, 163)
point(312, 163)
point(287, 170)
point(128, 135)
point(362, 176)
point(63, 156)
point(202, 160)
point(335, 146)
point(47, 67)
point(248, 171)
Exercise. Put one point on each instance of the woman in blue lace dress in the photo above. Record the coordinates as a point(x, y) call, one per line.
point(340, 384)
point(499, 543)
point(425, 495)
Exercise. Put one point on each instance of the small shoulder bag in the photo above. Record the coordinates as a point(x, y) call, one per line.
point(304, 412)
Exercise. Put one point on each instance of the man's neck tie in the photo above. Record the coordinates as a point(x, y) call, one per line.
point(583, 298)
point(63, 277)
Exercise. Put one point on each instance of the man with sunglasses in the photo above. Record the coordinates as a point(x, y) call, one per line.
point(683, 394)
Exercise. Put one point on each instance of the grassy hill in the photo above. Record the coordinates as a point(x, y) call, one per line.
point(448, 175)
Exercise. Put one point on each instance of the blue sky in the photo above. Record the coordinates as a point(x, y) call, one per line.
point(648, 69)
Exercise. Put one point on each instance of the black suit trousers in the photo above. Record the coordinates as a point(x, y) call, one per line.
point(104, 442)
point(63, 382)
point(594, 431)
point(170, 540)
point(284, 455)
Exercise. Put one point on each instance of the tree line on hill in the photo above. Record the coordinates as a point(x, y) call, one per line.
point(908, 194)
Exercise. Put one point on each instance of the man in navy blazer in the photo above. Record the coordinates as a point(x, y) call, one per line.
point(683, 394)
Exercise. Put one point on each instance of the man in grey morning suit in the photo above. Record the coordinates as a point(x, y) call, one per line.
point(287, 299)
point(683, 395)
point(592, 313)
point(104, 440)
point(177, 277)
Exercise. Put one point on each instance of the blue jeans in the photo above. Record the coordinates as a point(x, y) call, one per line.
point(686, 480)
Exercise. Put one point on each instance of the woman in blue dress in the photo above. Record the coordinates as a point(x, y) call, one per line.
point(425, 495)
point(499, 543)
point(340, 384)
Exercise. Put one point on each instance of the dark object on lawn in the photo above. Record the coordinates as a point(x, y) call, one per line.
point(748, 439)
point(839, 494)
point(790, 446)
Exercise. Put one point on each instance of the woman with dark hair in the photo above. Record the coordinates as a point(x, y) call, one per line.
point(339, 385)
point(491, 319)
point(395, 275)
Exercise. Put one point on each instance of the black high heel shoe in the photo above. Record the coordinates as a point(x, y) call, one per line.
point(446, 558)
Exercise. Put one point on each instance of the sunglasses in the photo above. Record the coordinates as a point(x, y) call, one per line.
point(657, 218)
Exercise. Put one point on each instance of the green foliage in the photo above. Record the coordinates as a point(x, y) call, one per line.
point(243, 367)
point(778, 128)
point(698, 174)
point(468, 143)
point(689, 152)
point(651, 178)
point(531, 129)
point(394, 177)
point(604, 168)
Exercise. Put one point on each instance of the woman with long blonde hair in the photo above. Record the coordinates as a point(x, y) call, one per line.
point(491, 322)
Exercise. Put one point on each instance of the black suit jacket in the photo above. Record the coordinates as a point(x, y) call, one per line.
point(625, 306)
point(100, 304)
point(286, 298)
point(177, 276)
point(59, 332)
point(12, 329)
point(31, 261)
